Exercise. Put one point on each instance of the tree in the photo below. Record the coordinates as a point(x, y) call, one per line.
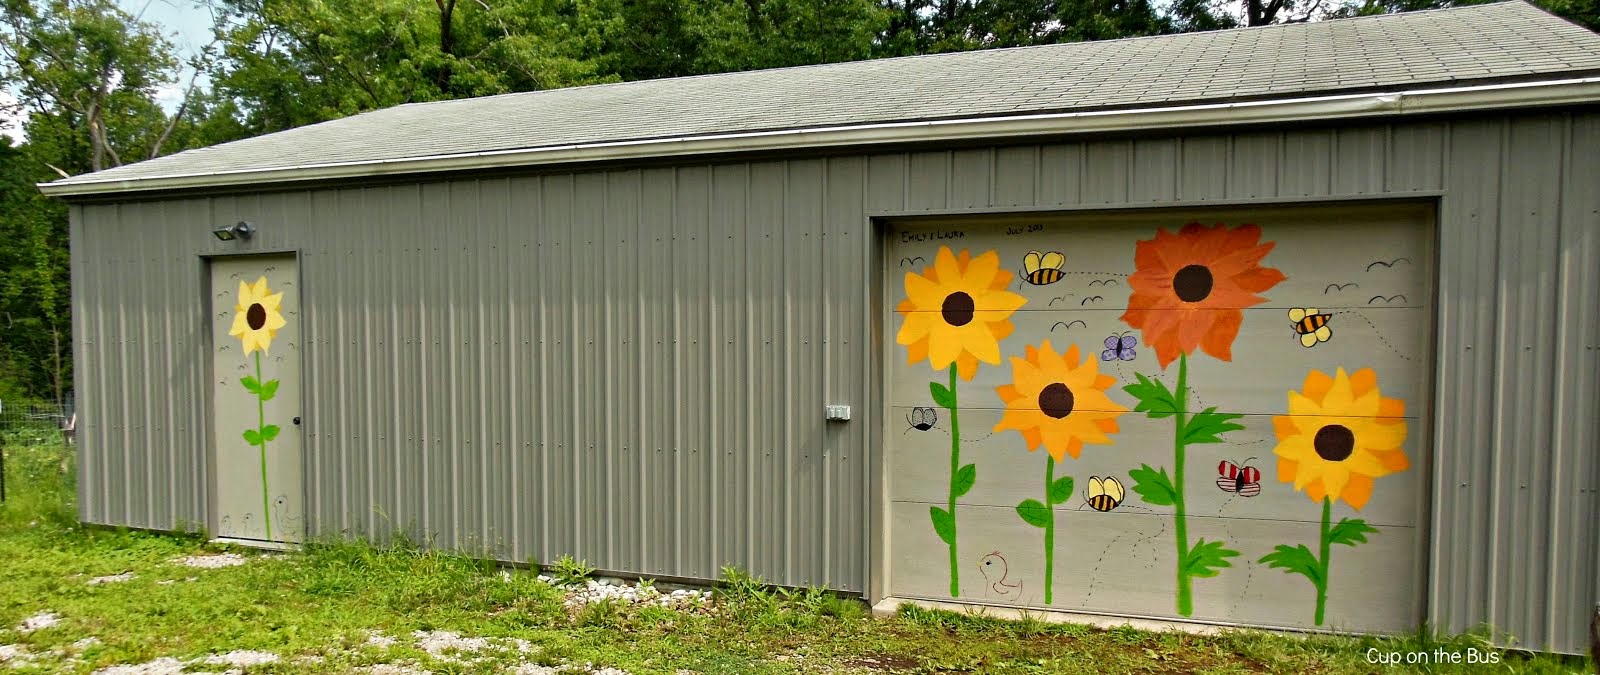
point(89, 72)
point(35, 322)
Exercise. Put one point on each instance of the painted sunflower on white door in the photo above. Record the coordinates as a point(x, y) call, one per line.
point(256, 320)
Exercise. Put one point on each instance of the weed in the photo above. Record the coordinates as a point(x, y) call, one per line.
point(568, 571)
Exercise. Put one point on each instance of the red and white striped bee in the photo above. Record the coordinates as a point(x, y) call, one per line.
point(1244, 480)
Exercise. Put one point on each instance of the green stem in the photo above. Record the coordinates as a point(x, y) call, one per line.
point(1049, 527)
point(1185, 595)
point(1322, 586)
point(955, 468)
point(261, 426)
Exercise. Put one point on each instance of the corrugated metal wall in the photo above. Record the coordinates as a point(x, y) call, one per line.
point(629, 365)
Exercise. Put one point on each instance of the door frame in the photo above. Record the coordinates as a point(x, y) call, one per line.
point(208, 416)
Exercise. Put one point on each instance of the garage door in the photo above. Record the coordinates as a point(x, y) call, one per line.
point(1212, 415)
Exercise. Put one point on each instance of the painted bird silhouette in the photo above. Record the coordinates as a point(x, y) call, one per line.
point(994, 569)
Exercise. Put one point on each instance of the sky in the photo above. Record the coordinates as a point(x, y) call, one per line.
point(186, 23)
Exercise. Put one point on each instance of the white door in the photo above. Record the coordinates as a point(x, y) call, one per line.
point(255, 352)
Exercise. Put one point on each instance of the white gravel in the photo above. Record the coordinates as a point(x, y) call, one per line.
point(17, 656)
point(241, 659)
point(379, 640)
point(446, 646)
point(633, 594)
point(85, 643)
point(212, 562)
point(113, 579)
point(39, 621)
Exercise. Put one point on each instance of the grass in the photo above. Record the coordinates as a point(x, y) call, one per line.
point(324, 601)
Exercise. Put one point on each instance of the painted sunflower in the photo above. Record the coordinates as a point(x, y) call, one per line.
point(1059, 400)
point(957, 311)
point(257, 318)
point(1339, 435)
point(1189, 288)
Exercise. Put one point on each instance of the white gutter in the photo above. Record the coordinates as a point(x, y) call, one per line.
point(1458, 99)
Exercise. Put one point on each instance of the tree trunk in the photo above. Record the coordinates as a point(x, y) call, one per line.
point(447, 43)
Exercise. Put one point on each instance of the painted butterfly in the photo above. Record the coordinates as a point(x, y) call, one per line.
point(1119, 347)
point(1244, 480)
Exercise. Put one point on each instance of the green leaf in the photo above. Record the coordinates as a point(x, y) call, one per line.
point(251, 385)
point(942, 397)
point(943, 523)
point(1206, 558)
point(1061, 490)
point(1154, 488)
point(1208, 425)
point(1155, 399)
point(269, 390)
point(1350, 531)
point(1295, 560)
point(1034, 513)
point(965, 477)
point(252, 437)
point(269, 432)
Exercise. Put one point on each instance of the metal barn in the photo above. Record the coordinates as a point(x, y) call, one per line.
point(1291, 327)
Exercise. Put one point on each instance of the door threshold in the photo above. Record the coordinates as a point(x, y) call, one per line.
point(257, 543)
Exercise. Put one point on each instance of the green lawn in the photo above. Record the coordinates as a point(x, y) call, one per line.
point(330, 609)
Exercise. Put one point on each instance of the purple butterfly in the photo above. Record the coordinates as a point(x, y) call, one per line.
point(1119, 347)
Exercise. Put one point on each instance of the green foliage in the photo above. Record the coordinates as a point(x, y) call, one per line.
point(1350, 531)
point(1296, 560)
point(1034, 513)
point(944, 524)
point(569, 571)
point(964, 480)
point(1208, 426)
point(1153, 486)
point(1061, 490)
point(1153, 396)
point(1206, 559)
point(942, 396)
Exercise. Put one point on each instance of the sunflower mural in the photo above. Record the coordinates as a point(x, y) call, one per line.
point(1058, 401)
point(1189, 290)
point(956, 313)
point(256, 321)
point(1339, 435)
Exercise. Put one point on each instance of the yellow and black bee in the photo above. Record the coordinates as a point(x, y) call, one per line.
point(1043, 269)
point(1310, 325)
point(1105, 493)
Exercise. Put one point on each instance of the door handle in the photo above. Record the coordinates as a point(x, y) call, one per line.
point(297, 421)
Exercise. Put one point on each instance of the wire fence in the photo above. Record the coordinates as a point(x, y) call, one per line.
point(31, 431)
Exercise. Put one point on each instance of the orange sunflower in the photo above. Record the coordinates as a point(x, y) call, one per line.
point(957, 311)
point(1339, 435)
point(1189, 288)
point(1059, 400)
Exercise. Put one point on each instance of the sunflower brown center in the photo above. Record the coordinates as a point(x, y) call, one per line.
point(958, 309)
point(1192, 283)
point(1334, 442)
point(256, 316)
point(1056, 400)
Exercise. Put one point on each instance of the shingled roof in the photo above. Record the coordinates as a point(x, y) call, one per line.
point(1505, 41)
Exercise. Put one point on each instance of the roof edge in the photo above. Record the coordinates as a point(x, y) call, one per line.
point(1011, 127)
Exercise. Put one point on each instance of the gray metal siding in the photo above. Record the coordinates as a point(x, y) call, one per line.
point(628, 365)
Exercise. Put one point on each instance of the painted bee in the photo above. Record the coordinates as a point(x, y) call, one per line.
point(1043, 269)
point(922, 419)
point(1310, 325)
point(1105, 493)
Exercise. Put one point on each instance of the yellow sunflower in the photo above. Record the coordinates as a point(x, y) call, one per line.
point(1059, 400)
point(257, 319)
point(957, 311)
point(1339, 435)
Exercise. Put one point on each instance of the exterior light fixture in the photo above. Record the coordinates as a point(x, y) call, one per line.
point(239, 230)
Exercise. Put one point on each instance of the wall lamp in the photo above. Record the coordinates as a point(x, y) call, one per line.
point(239, 230)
